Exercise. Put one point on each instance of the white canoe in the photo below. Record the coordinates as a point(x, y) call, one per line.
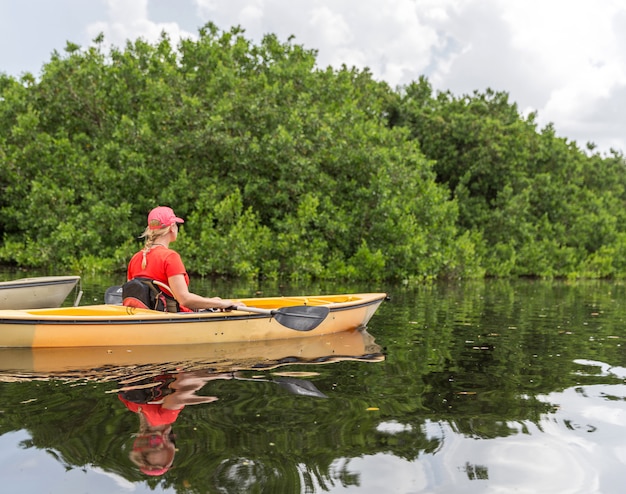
point(36, 293)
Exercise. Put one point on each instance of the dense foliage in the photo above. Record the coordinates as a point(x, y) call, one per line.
point(539, 204)
point(283, 169)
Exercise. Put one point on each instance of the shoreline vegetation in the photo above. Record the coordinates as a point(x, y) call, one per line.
point(283, 170)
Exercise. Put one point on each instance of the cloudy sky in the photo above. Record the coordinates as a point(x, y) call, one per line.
point(564, 59)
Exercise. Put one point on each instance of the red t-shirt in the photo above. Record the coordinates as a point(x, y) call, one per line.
point(154, 413)
point(161, 263)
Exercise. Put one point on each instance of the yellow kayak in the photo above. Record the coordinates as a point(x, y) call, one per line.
point(273, 318)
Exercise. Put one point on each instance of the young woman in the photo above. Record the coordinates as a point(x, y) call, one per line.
point(156, 261)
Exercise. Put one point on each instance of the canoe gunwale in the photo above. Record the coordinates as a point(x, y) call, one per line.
point(38, 282)
point(130, 319)
point(157, 317)
point(350, 305)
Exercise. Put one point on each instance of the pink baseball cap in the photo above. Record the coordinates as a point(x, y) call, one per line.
point(162, 217)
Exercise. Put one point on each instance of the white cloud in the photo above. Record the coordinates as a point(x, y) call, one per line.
point(576, 53)
point(566, 59)
point(128, 20)
point(391, 39)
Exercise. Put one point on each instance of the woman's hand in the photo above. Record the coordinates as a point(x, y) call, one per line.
point(188, 299)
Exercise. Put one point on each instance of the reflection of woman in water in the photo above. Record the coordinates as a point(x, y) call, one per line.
point(157, 402)
point(154, 448)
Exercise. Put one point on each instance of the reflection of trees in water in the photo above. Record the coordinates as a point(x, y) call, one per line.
point(241, 475)
point(259, 432)
point(480, 358)
point(476, 472)
point(477, 355)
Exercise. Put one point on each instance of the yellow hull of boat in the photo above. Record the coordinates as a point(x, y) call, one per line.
point(114, 325)
point(113, 363)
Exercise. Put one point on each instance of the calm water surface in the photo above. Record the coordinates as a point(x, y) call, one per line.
point(476, 388)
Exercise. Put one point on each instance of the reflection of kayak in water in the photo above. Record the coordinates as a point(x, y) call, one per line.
point(112, 363)
point(259, 319)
